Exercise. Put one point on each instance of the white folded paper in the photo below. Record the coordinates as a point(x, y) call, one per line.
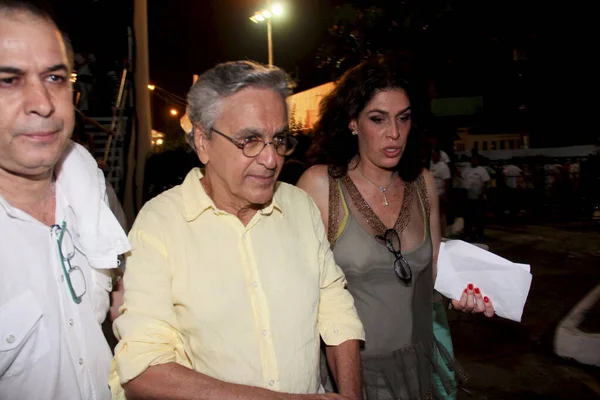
point(504, 282)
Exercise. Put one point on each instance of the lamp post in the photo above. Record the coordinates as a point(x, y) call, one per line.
point(266, 15)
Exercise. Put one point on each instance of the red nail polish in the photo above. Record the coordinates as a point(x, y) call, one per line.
point(465, 290)
point(486, 299)
point(477, 290)
point(470, 286)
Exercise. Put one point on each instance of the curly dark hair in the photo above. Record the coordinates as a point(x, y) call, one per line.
point(333, 143)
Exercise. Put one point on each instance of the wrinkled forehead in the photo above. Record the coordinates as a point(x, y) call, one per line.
point(30, 42)
point(259, 108)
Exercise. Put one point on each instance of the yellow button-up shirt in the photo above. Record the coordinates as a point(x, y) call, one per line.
point(242, 304)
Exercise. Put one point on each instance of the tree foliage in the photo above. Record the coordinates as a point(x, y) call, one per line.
point(358, 32)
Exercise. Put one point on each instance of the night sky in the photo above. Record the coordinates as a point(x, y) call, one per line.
point(472, 56)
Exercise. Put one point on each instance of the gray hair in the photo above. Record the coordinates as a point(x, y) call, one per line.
point(224, 80)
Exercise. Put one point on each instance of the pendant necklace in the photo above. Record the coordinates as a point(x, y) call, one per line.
point(382, 189)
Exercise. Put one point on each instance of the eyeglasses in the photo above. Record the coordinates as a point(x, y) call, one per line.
point(73, 274)
point(401, 267)
point(252, 146)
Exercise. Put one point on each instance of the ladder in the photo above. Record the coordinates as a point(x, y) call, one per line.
point(117, 127)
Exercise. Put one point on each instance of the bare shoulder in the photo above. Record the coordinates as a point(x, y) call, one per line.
point(432, 197)
point(315, 182)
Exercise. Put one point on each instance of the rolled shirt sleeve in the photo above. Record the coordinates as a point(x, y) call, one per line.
point(147, 327)
point(337, 319)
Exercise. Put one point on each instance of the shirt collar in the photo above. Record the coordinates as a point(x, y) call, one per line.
point(10, 210)
point(196, 201)
point(62, 203)
point(275, 204)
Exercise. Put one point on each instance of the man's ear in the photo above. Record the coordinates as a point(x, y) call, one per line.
point(202, 145)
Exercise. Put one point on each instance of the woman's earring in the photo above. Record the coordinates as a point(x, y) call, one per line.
point(354, 132)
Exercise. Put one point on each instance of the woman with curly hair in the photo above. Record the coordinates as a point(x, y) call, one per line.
point(381, 211)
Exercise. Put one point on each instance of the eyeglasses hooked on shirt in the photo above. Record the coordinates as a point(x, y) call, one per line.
point(74, 277)
point(391, 239)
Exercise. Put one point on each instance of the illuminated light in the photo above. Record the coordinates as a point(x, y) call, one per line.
point(151, 87)
point(266, 14)
point(277, 9)
point(253, 19)
point(174, 112)
point(159, 142)
point(259, 17)
point(73, 78)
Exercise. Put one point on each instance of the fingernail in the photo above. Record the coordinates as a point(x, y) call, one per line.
point(477, 290)
point(470, 286)
point(465, 290)
point(486, 299)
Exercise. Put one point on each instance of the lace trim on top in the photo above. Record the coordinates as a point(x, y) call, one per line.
point(369, 215)
point(334, 210)
point(365, 209)
point(422, 187)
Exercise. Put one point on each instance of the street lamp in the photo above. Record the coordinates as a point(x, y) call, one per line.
point(174, 112)
point(267, 14)
point(277, 10)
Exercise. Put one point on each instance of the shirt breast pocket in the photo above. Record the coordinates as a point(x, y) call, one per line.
point(23, 334)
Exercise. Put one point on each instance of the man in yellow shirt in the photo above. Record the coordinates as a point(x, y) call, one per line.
point(231, 280)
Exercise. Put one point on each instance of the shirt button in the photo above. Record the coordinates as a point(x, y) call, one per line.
point(9, 339)
point(336, 330)
point(110, 284)
point(264, 332)
point(71, 322)
point(255, 284)
point(62, 278)
point(80, 361)
point(271, 382)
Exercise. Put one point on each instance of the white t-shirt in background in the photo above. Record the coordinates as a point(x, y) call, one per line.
point(512, 174)
point(475, 180)
point(440, 173)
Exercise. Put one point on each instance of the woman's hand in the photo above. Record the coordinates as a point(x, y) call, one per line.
point(472, 301)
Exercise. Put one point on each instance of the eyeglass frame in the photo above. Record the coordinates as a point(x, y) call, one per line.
point(242, 146)
point(67, 273)
point(402, 268)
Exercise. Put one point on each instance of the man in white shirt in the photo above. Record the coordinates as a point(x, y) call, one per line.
point(435, 146)
point(476, 179)
point(441, 174)
point(512, 176)
point(58, 239)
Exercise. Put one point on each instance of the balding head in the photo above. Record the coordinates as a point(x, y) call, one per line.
point(38, 9)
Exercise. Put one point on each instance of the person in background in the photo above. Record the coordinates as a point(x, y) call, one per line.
point(435, 145)
point(476, 179)
point(441, 175)
point(512, 178)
